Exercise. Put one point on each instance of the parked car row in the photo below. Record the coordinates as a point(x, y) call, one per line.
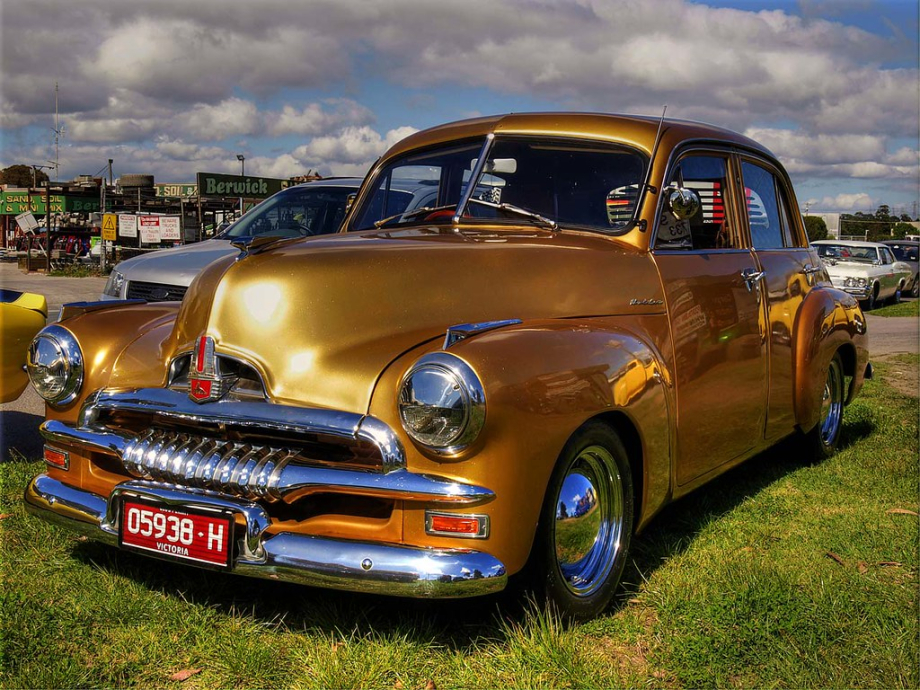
point(566, 323)
point(868, 270)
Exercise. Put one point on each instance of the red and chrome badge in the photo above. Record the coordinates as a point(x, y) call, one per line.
point(204, 376)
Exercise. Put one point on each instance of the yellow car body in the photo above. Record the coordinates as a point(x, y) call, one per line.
point(22, 315)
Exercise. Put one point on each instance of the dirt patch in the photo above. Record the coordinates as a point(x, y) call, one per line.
point(902, 374)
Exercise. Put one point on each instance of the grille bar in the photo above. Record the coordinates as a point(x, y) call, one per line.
point(155, 292)
point(241, 469)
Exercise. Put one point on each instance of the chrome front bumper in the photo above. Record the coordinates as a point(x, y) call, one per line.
point(317, 561)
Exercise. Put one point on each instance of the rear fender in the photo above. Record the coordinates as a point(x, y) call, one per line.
point(829, 321)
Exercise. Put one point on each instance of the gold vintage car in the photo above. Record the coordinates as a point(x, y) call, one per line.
point(590, 319)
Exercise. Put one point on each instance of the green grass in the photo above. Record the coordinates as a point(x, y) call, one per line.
point(782, 573)
point(911, 308)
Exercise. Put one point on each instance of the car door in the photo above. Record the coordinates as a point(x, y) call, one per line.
point(790, 268)
point(713, 293)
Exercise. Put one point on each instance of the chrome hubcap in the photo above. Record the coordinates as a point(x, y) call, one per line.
point(832, 404)
point(588, 520)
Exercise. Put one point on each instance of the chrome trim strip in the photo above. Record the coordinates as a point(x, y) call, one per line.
point(285, 481)
point(378, 568)
point(465, 330)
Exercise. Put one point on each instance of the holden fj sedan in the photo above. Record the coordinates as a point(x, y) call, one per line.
point(592, 316)
point(867, 270)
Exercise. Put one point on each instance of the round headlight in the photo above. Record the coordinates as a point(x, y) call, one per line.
point(442, 403)
point(55, 365)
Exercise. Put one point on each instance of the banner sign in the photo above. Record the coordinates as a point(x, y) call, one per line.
point(182, 190)
point(150, 229)
point(169, 228)
point(127, 226)
point(215, 184)
point(14, 203)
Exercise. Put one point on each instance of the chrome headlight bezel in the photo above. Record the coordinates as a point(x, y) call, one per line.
point(114, 284)
point(55, 365)
point(445, 378)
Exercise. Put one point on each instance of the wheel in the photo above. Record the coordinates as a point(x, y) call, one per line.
point(823, 439)
point(586, 524)
point(915, 290)
point(896, 297)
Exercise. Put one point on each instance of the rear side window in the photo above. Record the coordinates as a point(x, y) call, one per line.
point(767, 213)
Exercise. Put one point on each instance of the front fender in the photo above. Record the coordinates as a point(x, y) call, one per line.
point(542, 381)
point(119, 344)
point(829, 321)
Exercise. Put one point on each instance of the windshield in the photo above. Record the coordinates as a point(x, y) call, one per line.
point(844, 252)
point(294, 212)
point(523, 180)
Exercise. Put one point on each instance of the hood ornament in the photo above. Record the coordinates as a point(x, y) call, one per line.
point(206, 384)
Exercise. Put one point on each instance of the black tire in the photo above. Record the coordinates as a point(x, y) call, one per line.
point(581, 547)
point(915, 289)
point(821, 442)
point(896, 297)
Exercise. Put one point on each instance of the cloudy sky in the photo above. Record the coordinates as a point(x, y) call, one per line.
point(172, 87)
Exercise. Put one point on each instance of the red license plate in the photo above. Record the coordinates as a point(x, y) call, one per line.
point(183, 534)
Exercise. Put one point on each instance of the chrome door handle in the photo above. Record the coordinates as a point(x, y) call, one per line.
point(751, 276)
point(809, 269)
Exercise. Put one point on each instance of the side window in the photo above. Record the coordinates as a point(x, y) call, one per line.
point(771, 227)
point(887, 258)
point(707, 175)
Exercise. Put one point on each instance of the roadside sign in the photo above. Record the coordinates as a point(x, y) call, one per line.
point(109, 227)
point(26, 221)
point(127, 225)
point(150, 229)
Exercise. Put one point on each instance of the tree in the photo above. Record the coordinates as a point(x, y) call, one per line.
point(815, 228)
point(902, 230)
point(21, 176)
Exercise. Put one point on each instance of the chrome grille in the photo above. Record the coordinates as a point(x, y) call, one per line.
point(242, 469)
point(155, 292)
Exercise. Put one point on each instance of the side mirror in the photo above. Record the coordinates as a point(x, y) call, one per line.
point(349, 200)
point(683, 203)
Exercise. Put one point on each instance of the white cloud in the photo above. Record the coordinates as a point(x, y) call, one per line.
point(351, 145)
point(315, 119)
point(844, 203)
point(231, 117)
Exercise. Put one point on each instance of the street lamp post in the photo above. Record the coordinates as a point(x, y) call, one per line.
point(242, 159)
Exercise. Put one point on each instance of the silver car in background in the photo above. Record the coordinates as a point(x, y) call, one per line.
point(866, 270)
point(908, 251)
point(313, 208)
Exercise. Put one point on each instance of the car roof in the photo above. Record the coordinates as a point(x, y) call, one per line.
point(912, 243)
point(631, 129)
point(330, 182)
point(850, 243)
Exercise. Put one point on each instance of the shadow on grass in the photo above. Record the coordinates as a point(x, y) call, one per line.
point(454, 624)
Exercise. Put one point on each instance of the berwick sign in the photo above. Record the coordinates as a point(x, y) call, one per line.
point(214, 184)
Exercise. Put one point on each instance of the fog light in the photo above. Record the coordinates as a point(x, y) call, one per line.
point(457, 525)
point(57, 458)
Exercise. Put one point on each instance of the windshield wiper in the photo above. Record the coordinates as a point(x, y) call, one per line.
point(549, 222)
point(409, 215)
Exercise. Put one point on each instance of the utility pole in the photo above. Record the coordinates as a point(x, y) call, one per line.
point(242, 159)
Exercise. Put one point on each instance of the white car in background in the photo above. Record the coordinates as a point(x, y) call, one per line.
point(867, 270)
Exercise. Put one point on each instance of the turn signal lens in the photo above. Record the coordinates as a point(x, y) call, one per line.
point(57, 458)
point(447, 524)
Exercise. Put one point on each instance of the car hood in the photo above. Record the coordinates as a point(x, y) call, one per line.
point(850, 269)
point(175, 266)
point(321, 319)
